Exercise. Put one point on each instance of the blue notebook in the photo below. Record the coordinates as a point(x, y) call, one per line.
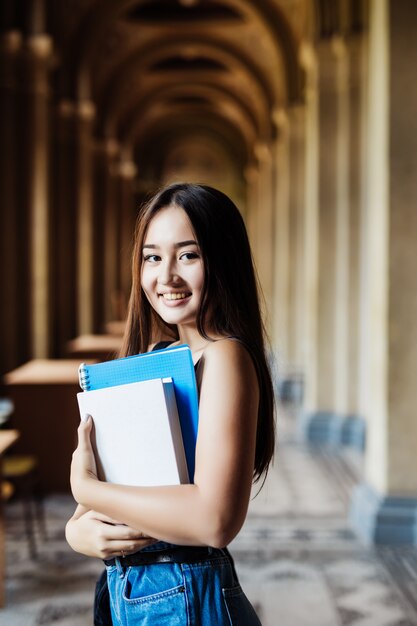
point(176, 363)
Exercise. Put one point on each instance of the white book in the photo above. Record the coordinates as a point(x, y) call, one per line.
point(137, 436)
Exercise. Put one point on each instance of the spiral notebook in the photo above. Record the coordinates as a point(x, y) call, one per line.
point(175, 363)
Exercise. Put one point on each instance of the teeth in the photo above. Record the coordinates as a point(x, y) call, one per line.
point(174, 296)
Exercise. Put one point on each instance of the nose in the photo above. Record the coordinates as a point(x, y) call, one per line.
point(167, 274)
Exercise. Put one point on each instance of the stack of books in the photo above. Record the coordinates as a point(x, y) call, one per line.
point(145, 413)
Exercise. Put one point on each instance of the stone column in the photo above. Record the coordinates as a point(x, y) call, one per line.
point(297, 235)
point(112, 227)
point(311, 236)
point(333, 250)
point(252, 201)
point(280, 307)
point(260, 223)
point(10, 46)
point(384, 507)
point(65, 235)
point(105, 156)
point(265, 226)
point(34, 146)
point(127, 175)
point(75, 224)
point(290, 250)
point(353, 430)
point(84, 117)
point(119, 225)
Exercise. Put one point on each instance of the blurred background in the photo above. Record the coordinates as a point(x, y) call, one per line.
point(304, 112)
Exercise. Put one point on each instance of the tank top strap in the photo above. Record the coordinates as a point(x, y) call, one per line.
point(161, 345)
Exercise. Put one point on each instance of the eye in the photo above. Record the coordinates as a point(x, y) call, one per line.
point(189, 256)
point(151, 258)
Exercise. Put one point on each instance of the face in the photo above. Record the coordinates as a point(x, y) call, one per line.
point(172, 268)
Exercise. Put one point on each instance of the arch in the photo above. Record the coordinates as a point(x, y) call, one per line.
point(106, 12)
point(204, 91)
point(276, 23)
point(158, 124)
point(211, 47)
point(160, 11)
point(166, 109)
point(203, 155)
point(161, 137)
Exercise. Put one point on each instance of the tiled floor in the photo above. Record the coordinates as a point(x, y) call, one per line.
point(296, 556)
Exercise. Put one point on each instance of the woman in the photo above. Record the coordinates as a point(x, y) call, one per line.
point(164, 547)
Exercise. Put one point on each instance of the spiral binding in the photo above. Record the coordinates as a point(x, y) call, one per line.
point(84, 377)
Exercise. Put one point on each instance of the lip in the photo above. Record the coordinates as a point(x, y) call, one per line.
point(174, 302)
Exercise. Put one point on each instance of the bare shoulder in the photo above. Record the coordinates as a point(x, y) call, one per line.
point(229, 357)
point(229, 387)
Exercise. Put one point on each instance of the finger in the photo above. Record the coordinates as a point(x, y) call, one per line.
point(86, 422)
point(118, 548)
point(124, 533)
point(100, 517)
point(111, 529)
point(84, 429)
point(85, 417)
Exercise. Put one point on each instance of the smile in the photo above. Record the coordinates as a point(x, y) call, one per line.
point(175, 296)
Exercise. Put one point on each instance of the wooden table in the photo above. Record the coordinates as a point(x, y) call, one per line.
point(44, 392)
point(7, 438)
point(116, 327)
point(97, 347)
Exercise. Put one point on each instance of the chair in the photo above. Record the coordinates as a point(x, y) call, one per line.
point(21, 479)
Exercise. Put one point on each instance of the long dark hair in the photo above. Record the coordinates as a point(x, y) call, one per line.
point(230, 296)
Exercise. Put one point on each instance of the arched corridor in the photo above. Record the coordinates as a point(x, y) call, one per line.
point(303, 111)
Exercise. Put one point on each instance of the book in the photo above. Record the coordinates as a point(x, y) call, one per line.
point(137, 437)
point(173, 362)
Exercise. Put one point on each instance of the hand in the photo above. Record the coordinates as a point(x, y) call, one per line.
point(97, 535)
point(83, 466)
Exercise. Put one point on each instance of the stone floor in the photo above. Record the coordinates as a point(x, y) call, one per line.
point(297, 558)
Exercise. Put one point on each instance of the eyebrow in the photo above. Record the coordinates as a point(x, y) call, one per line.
point(180, 244)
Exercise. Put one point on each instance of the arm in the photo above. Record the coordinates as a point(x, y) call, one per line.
point(94, 534)
point(212, 510)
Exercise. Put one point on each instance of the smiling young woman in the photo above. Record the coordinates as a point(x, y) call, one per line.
point(165, 548)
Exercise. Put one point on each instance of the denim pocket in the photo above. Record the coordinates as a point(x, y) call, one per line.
point(239, 609)
point(155, 594)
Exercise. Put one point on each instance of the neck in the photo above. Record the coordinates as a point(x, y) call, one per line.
point(192, 337)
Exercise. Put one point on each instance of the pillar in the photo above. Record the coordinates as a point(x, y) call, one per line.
point(265, 226)
point(384, 507)
point(75, 225)
point(311, 237)
point(354, 427)
point(296, 239)
point(289, 246)
point(64, 228)
point(112, 228)
point(115, 225)
point(127, 175)
point(84, 118)
point(333, 252)
point(37, 56)
point(252, 201)
point(280, 306)
point(100, 198)
point(10, 357)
